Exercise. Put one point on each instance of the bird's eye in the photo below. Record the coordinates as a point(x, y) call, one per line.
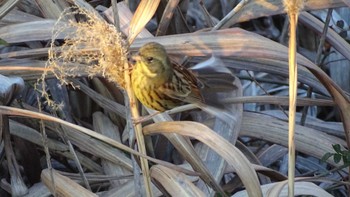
point(150, 59)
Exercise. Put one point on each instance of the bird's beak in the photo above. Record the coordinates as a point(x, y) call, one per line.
point(136, 57)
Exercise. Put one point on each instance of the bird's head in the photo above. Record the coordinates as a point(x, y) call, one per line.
point(153, 60)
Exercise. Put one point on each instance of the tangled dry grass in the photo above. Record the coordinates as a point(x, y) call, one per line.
point(105, 51)
point(92, 47)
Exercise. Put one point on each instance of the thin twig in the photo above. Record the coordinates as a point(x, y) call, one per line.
point(263, 89)
point(75, 157)
point(46, 148)
point(206, 14)
point(223, 21)
point(317, 61)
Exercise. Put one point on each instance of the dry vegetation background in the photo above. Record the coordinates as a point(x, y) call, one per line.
point(78, 121)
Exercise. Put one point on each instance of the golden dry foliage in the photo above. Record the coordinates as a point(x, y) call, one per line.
point(95, 48)
point(293, 6)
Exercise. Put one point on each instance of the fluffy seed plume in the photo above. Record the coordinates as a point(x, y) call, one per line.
point(92, 47)
point(293, 6)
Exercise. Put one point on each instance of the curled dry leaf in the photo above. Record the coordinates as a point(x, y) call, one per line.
point(301, 188)
point(142, 15)
point(225, 149)
point(175, 183)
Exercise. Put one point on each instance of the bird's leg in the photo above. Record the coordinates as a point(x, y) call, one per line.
point(145, 118)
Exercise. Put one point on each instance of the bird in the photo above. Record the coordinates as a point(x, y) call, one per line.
point(160, 84)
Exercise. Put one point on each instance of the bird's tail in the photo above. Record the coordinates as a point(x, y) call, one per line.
point(217, 83)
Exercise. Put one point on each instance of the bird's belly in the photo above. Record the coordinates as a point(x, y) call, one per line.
point(151, 96)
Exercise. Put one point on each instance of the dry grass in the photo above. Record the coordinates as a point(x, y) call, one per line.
point(73, 115)
point(92, 46)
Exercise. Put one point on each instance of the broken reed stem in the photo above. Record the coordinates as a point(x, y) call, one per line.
point(293, 82)
point(292, 8)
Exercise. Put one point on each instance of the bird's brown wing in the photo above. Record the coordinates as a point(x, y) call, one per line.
point(183, 86)
point(195, 94)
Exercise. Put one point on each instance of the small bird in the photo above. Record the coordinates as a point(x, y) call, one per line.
point(162, 85)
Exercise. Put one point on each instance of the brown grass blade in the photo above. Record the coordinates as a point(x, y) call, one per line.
point(42, 52)
point(102, 124)
point(7, 7)
point(257, 9)
point(101, 100)
point(17, 16)
point(26, 113)
point(26, 69)
point(328, 127)
point(273, 174)
point(187, 150)
point(30, 31)
point(85, 5)
point(128, 190)
point(347, 2)
point(175, 183)
point(35, 137)
point(301, 188)
point(143, 14)
point(52, 9)
point(225, 149)
point(63, 186)
point(124, 18)
point(308, 141)
point(166, 17)
point(99, 149)
point(279, 100)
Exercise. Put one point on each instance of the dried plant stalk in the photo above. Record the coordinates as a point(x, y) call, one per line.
point(292, 8)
